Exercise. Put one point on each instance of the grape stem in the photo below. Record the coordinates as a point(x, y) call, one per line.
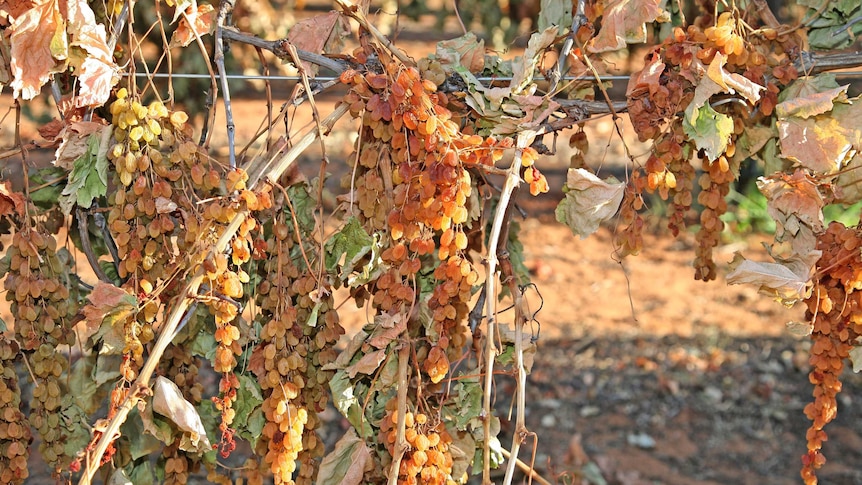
point(400, 441)
point(356, 13)
point(513, 179)
point(140, 388)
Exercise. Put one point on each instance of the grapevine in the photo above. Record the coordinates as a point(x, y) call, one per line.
point(234, 270)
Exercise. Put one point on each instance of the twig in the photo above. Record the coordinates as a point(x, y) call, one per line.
point(400, 441)
point(814, 63)
point(355, 13)
point(520, 320)
point(513, 179)
point(765, 13)
point(533, 474)
point(578, 20)
point(140, 387)
point(278, 49)
point(84, 233)
point(225, 7)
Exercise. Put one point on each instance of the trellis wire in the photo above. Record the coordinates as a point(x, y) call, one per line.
point(274, 77)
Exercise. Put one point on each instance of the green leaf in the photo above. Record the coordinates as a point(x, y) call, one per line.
point(248, 398)
point(89, 177)
point(351, 243)
point(254, 426)
point(708, 129)
point(142, 474)
point(347, 463)
point(556, 12)
point(346, 399)
point(303, 206)
point(467, 402)
point(143, 443)
point(834, 36)
point(5, 264)
point(3, 327)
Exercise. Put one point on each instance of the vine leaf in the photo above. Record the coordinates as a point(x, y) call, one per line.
point(785, 282)
point(813, 104)
point(555, 13)
point(524, 66)
point(467, 51)
point(94, 64)
point(37, 37)
point(202, 23)
point(708, 129)
point(74, 142)
point(89, 177)
point(856, 358)
point(11, 202)
point(624, 22)
point(818, 126)
point(731, 82)
point(347, 247)
point(589, 201)
point(347, 463)
point(168, 401)
point(319, 34)
point(108, 305)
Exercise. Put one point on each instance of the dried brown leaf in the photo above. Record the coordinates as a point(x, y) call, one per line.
point(11, 203)
point(467, 51)
point(624, 22)
point(313, 34)
point(347, 463)
point(168, 401)
point(202, 20)
point(367, 364)
point(38, 36)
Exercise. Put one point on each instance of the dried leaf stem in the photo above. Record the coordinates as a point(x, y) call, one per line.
point(513, 179)
point(140, 388)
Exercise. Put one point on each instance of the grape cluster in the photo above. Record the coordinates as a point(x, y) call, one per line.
point(428, 459)
point(14, 428)
point(43, 307)
point(293, 348)
point(833, 309)
point(432, 70)
point(661, 93)
point(415, 161)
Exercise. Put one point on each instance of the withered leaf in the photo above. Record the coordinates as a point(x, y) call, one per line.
point(36, 36)
point(168, 401)
point(197, 22)
point(589, 201)
point(347, 463)
point(624, 22)
point(367, 364)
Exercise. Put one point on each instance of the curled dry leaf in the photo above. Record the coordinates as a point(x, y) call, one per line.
point(624, 22)
point(11, 203)
point(75, 142)
point(467, 51)
point(97, 72)
point(35, 36)
point(777, 280)
point(347, 463)
point(168, 401)
point(197, 22)
point(589, 201)
point(315, 35)
point(795, 204)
